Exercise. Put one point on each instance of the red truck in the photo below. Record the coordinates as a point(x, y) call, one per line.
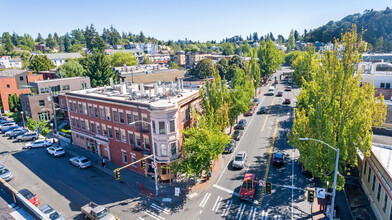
point(249, 186)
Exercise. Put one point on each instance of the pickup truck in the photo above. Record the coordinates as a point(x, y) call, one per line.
point(94, 212)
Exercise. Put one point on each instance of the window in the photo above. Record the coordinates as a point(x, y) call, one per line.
point(162, 127)
point(144, 124)
point(8, 86)
point(87, 127)
point(84, 85)
point(374, 182)
point(130, 137)
point(44, 116)
point(138, 143)
point(121, 116)
point(123, 137)
point(43, 90)
point(98, 129)
point(379, 192)
point(102, 112)
point(172, 126)
point(90, 110)
point(134, 160)
point(75, 109)
point(370, 170)
point(164, 171)
point(115, 116)
point(110, 131)
point(73, 122)
point(163, 150)
point(77, 123)
point(387, 85)
point(21, 78)
point(173, 147)
point(108, 114)
point(41, 103)
point(182, 116)
point(80, 108)
point(365, 166)
point(82, 124)
point(384, 208)
point(85, 108)
point(124, 157)
point(104, 130)
point(117, 134)
point(154, 130)
point(92, 127)
point(136, 118)
point(129, 118)
point(65, 87)
point(187, 113)
point(70, 107)
point(382, 85)
point(146, 142)
point(96, 112)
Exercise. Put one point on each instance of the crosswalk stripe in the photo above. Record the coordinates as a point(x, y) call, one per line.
point(140, 218)
point(251, 213)
point(159, 208)
point(204, 202)
point(216, 205)
point(239, 210)
point(254, 214)
point(227, 208)
point(157, 217)
point(204, 199)
point(242, 212)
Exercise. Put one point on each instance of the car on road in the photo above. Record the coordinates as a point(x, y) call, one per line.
point(51, 213)
point(251, 111)
point(256, 101)
point(249, 186)
point(287, 88)
point(29, 196)
point(239, 160)
point(94, 211)
point(80, 162)
point(27, 136)
point(55, 151)
point(303, 170)
point(241, 124)
point(237, 134)
point(287, 101)
point(262, 110)
point(9, 129)
point(5, 174)
point(230, 147)
point(276, 81)
point(38, 143)
point(278, 159)
point(271, 91)
point(279, 94)
point(6, 125)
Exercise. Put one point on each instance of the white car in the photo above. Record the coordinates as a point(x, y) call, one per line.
point(6, 125)
point(38, 143)
point(51, 213)
point(80, 162)
point(55, 151)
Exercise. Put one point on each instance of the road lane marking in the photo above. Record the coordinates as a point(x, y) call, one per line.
point(266, 117)
point(239, 211)
point(153, 215)
point(204, 202)
point(242, 211)
point(251, 213)
point(164, 210)
point(140, 218)
point(227, 208)
point(190, 196)
point(223, 188)
point(217, 199)
point(217, 204)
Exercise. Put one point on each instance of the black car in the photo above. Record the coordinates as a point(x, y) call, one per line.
point(241, 125)
point(256, 101)
point(262, 110)
point(280, 94)
point(278, 159)
point(230, 147)
point(237, 134)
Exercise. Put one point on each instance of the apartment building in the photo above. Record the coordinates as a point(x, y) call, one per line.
point(179, 58)
point(114, 122)
point(38, 103)
point(192, 59)
point(148, 48)
point(380, 74)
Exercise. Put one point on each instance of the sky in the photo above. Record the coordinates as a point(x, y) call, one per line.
point(172, 20)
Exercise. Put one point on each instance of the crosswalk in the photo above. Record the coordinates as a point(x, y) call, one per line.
point(155, 212)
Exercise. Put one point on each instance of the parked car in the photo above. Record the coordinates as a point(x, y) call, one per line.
point(251, 111)
point(303, 170)
point(241, 124)
point(237, 134)
point(279, 94)
point(5, 174)
point(80, 162)
point(51, 213)
point(230, 147)
point(94, 211)
point(256, 101)
point(287, 88)
point(9, 130)
point(27, 136)
point(239, 160)
point(38, 143)
point(5, 122)
point(55, 151)
point(15, 133)
point(262, 110)
point(29, 196)
point(287, 101)
point(278, 159)
point(249, 186)
point(6, 125)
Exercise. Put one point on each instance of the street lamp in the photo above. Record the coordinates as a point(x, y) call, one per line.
point(24, 126)
point(336, 171)
point(153, 152)
point(51, 124)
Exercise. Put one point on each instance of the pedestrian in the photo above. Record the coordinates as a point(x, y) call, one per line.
point(103, 162)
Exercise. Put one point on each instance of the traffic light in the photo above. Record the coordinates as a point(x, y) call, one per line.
point(268, 188)
point(117, 174)
point(142, 164)
point(310, 195)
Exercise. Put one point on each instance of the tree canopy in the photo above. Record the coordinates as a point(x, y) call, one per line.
point(120, 58)
point(269, 58)
point(204, 68)
point(71, 68)
point(41, 63)
point(99, 70)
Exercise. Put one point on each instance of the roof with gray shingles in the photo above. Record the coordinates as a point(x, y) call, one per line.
point(11, 73)
point(62, 56)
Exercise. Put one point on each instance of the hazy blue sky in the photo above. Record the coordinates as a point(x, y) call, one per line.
point(168, 19)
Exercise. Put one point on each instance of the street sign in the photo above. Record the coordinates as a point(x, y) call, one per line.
point(261, 183)
point(154, 165)
point(177, 191)
point(320, 193)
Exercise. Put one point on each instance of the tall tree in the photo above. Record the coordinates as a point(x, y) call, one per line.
point(15, 39)
point(99, 70)
point(304, 66)
point(269, 58)
point(334, 108)
point(9, 46)
point(121, 58)
point(204, 68)
point(28, 41)
point(50, 42)
point(291, 42)
point(70, 68)
point(253, 69)
point(98, 44)
point(40, 39)
point(89, 35)
point(142, 38)
point(41, 63)
point(227, 48)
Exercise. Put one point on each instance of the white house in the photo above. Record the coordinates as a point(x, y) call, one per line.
point(59, 58)
point(8, 62)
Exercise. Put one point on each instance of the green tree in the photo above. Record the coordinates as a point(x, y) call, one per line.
point(204, 68)
point(174, 65)
point(99, 70)
point(291, 56)
point(31, 124)
point(121, 58)
point(335, 109)
point(50, 42)
point(70, 68)
point(44, 128)
point(9, 46)
point(16, 102)
point(98, 44)
point(146, 60)
point(40, 39)
point(75, 48)
point(291, 42)
point(222, 67)
point(227, 48)
point(254, 70)
point(15, 39)
point(269, 57)
point(28, 41)
point(89, 34)
point(11, 103)
point(304, 66)
point(41, 63)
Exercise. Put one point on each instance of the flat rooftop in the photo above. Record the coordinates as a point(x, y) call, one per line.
point(382, 149)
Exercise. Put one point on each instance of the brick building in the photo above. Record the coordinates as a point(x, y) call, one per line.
point(37, 104)
point(101, 121)
point(14, 81)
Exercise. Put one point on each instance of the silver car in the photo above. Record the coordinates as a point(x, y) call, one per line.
point(5, 174)
point(51, 213)
point(239, 160)
point(80, 162)
point(27, 136)
point(7, 125)
point(55, 151)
